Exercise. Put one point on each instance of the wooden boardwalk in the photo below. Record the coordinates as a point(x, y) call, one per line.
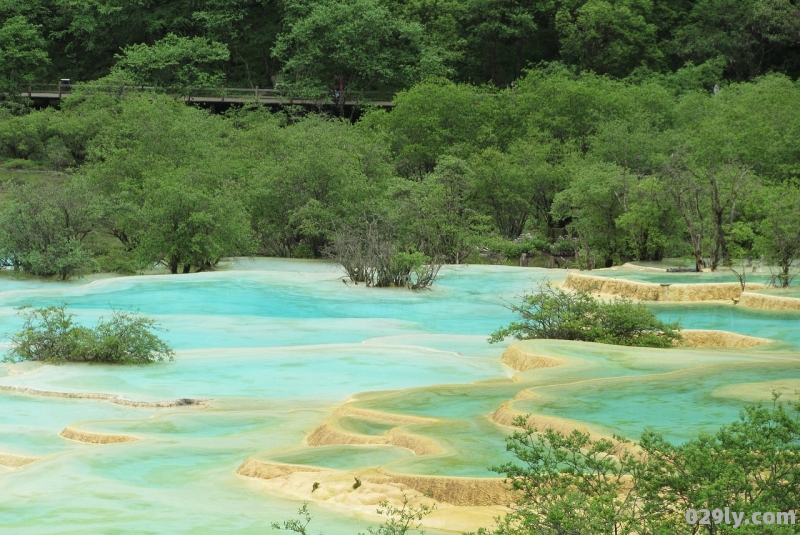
point(268, 97)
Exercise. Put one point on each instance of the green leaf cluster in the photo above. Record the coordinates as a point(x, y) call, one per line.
point(575, 483)
point(557, 314)
point(50, 335)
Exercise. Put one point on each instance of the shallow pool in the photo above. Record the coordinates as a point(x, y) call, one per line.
point(277, 347)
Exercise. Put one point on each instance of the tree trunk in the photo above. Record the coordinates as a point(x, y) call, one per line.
point(698, 261)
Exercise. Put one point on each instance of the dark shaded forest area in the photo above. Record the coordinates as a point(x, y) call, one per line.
point(579, 134)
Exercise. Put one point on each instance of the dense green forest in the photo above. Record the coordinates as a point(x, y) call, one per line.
point(392, 45)
point(570, 133)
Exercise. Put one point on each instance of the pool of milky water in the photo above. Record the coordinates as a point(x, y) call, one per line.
point(277, 346)
point(661, 276)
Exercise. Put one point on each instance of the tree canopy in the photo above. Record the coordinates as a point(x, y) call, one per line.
point(390, 45)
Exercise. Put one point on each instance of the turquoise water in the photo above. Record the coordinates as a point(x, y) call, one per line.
point(662, 276)
point(791, 291)
point(679, 408)
point(276, 346)
point(777, 325)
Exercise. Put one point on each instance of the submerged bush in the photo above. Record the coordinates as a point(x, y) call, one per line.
point(554, 313)
point(50, 335)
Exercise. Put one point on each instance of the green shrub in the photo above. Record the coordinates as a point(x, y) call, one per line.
point(120, 261)
point(50, 335)
point(528, 246)
point(128, 338)
point(19, 163)
point(576, 484)
point(562, 247)
point(554, 313)
point(498, 246)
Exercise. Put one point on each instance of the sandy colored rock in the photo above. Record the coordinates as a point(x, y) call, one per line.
point(265, 470)
point(328, 434)
point(335, 488)
point(460, 491)
point(719, 339)
point(418, 444)
point(517, 359)
point(111, 398)
point(651, 291)
point(505, 415)
point(71, 433)
point(643, 291)
point(15, 461)
point(377, 485)
point(716, 291)
point(760, 391)
point(768, 302)
point(524, 394)
point(349, 410)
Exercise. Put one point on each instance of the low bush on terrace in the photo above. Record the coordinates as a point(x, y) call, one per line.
point(554, 313)
point(50, 335)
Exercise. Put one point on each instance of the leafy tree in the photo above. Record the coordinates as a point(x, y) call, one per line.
point(173, 62)
point(22, 54)
point(43, 229)
point(310, 178)
point(249, 28)
point(653, 227)
point(570, 484)
point(609, 37)
point(344, 48)
point(518, 186)
point(591, 204)
point(751, 35)
point(441, 20)
point(572, 108)
point(750, 465)
point(185, 223)
point(778, 238)
point(24, 136)
point(49, 335)
point(435, 214)
point(177, 193)
point(433, 119)
point(759, 120)
point(554, 313)
point(79, 120)
point(577, 484)
point(498, 34)
point(708, 190)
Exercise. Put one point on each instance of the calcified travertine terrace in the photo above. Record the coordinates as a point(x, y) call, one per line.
point(295, 369)
point(651, 291)
point(769, 302)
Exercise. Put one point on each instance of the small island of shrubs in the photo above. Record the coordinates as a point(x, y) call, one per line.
point(50, 335)
point(557, 314)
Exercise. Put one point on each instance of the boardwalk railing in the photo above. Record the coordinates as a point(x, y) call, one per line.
point(214, 94)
